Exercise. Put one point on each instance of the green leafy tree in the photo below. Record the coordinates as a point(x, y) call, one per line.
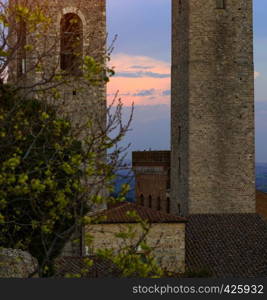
point(53, 170)
point(43, 197)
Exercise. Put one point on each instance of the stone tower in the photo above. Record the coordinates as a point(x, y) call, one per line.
point(212, 107)
point(77, 29)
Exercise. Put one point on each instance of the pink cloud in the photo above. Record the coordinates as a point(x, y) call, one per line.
point(256, 74)
point(140, 79)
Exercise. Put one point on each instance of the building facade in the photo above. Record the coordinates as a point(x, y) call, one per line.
point(166, 235)
point(152, 179)
point(212, 117)
point(50, 56)
point(51, 63)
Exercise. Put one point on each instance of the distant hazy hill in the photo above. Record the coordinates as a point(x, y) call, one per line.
point(127, 176)
point(261, 177)
point(122, 177)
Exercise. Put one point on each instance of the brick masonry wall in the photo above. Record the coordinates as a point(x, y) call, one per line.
point(154, 186)
point(152, 179)
point(168, 241)
point(212, 107)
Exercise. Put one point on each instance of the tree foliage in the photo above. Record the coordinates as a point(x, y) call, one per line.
point(58, 159)
point(42, 172)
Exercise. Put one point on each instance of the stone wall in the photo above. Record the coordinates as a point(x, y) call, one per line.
point(166, 239)
point(212, 107)
point(15, 263)
point(77, 99)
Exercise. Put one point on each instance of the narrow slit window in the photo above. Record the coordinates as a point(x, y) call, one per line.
point(168, 183)
point(71, 44)
point(180, 6)
point(142, 200)
point(23, 65)
point(220, 4)
point(179, 162)
point(168, 208)
point(179, 134)
point(150, 201)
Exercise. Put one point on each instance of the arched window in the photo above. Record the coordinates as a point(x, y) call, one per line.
point(159, 204)
point(142, 200)
point(150, 201)
point(71, 44)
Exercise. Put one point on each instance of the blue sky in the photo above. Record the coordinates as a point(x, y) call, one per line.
point(142, 58)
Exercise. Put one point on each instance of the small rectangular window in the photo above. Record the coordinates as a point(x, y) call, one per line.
point(220, 4)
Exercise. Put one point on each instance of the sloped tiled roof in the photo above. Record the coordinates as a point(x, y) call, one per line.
point(74, 265)
point(119, 215)
point(233, 245)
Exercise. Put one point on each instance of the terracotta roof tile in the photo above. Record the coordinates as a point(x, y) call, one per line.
point(233, 245)
point(119, 215)
point(75, 264)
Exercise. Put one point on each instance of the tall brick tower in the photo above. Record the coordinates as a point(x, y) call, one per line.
point(212, 107)
point(152, 179)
